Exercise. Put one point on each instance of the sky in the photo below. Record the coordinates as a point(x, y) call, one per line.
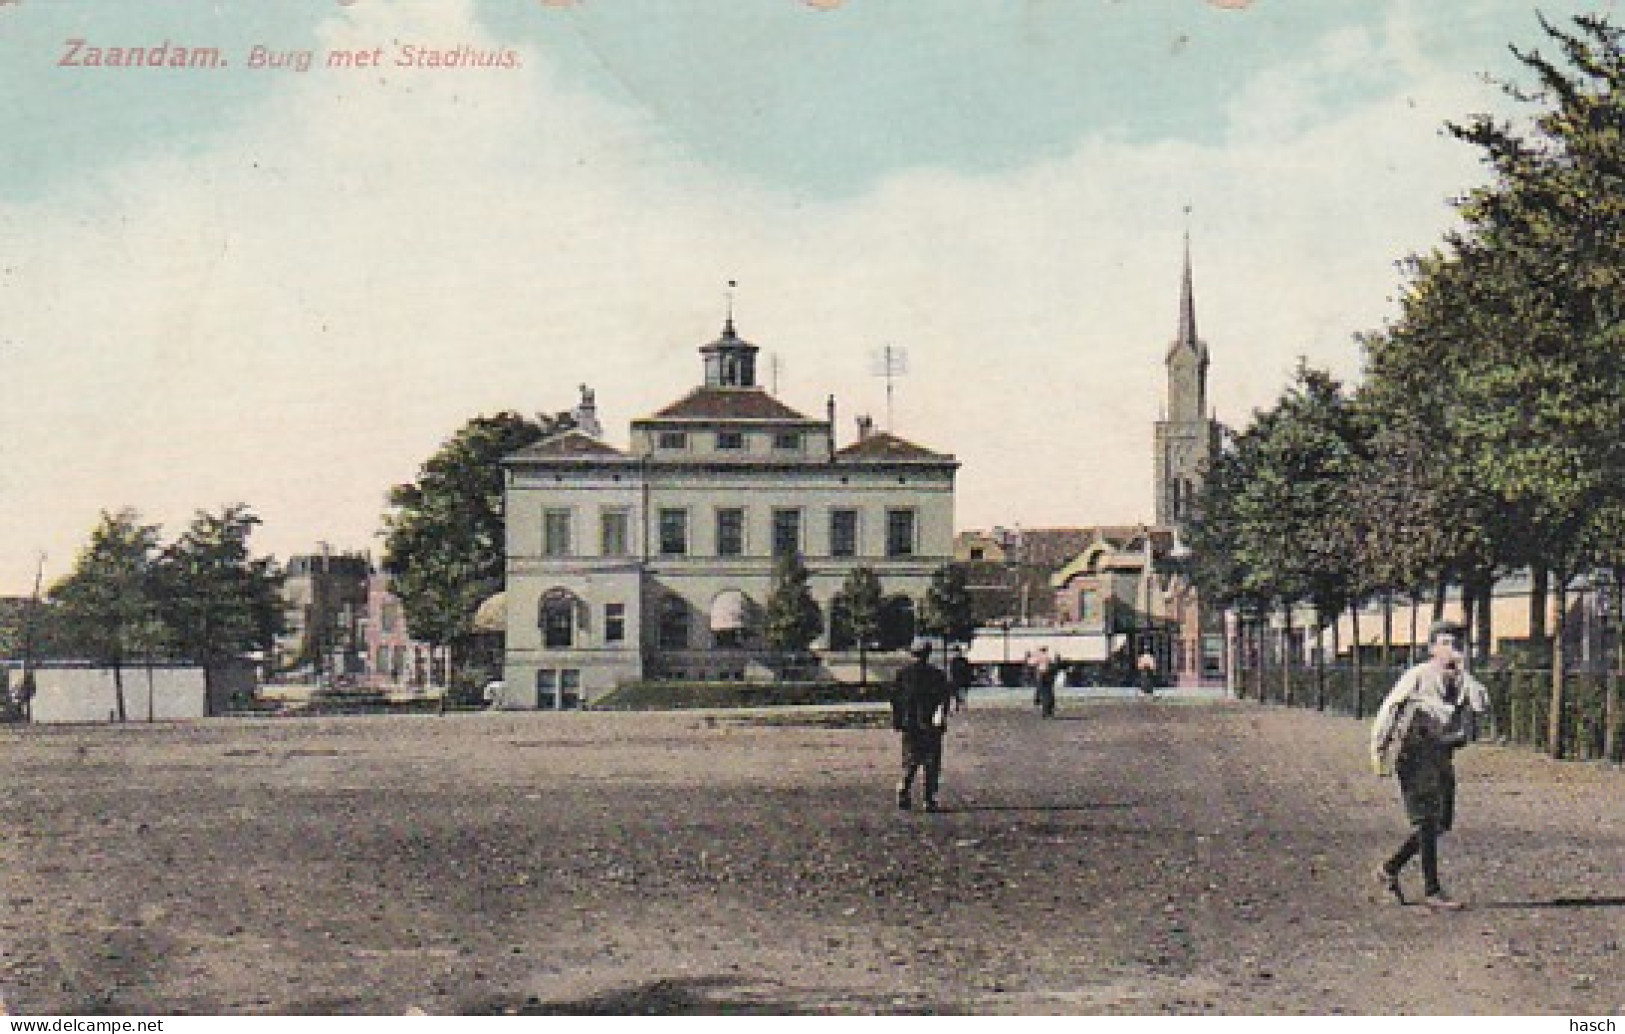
point(256, 283)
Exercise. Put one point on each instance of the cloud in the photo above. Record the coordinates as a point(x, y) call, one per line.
point(297, 317)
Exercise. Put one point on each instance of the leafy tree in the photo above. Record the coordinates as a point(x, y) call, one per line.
point(1542, 300)
point(217, 600)
point(947, 610)
point(855, 614)
point(793, 619)
point(1270, 533)
point(897, 622)
point(106, 603)
point(444, 539)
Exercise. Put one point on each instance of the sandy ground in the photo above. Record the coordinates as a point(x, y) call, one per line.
point(1129, 857)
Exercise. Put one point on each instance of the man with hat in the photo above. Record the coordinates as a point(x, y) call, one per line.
point(1432, 711)
point(919, 709)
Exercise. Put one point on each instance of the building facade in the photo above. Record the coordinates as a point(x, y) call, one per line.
point(393, 658)
point(324, 598)
point(657, 561)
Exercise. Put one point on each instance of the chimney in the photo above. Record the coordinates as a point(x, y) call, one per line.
point(586, 414)
point(866, 427)
point(829, 416)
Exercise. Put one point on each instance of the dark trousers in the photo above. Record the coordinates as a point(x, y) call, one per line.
point(922, 748)
point(1045, 699)
point(1427, 782)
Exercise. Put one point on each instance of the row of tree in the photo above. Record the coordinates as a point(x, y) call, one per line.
point(130, 599)
point(862, 615)
point(1486, 435)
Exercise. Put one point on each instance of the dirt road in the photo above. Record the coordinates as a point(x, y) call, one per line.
point(1128, 857)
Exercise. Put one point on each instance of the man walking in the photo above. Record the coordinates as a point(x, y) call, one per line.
point(919, 709)
point(1432, 711)
point(960, 676)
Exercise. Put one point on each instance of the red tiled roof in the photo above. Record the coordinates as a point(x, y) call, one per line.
point(568, 445)
point(727, 404)
point(883, 446)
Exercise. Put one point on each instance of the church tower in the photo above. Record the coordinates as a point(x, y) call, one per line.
point(1186, 437)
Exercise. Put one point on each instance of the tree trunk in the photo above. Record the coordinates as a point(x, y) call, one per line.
point(1554, 715)
point(1440, 591)
point(1235, 670)
point(118, 691)
point(1320, 662)
point(1286, 656)
point(1387, 628)
point(1469, 598)
point(1484, 634)
point(1610, 742)
point(1359, 670)
point(1337, 640)
point(1261, 651)
point(1416, 618)
point(1539, 589)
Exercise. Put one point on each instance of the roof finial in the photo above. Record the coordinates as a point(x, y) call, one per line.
point(728, 324)
point(1187, 296)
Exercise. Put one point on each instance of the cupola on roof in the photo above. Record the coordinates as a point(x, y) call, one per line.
point(730, 361)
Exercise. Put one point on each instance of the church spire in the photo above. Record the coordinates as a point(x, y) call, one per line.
point(1187, 294)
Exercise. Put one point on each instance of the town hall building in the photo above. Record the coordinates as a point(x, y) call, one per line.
point(657, 561)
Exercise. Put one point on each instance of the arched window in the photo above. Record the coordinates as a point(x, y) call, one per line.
point(728, 619)
point(559, 616)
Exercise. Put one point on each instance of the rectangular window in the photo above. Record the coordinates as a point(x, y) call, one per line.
point(899, 532)
point(843, 533)
point(786, 532)
point(614, 538)
point(673, 441)
point(730, 441)
point(555, 532)
point(570, 687)
point(673, 532)
point(731, 532)
point(547, 681)
point(614, 622)
point(787, 441)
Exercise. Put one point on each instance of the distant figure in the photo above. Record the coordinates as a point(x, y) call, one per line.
point(920, 700)
point(961, 677)
point(1044, 690)
point(1043, 672)
point(1432, 711)
point(1146, 669)
point(1056, 682)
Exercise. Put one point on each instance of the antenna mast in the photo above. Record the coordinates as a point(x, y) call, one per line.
point(890, 362)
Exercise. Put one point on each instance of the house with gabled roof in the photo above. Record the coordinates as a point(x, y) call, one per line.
point(656, 561)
